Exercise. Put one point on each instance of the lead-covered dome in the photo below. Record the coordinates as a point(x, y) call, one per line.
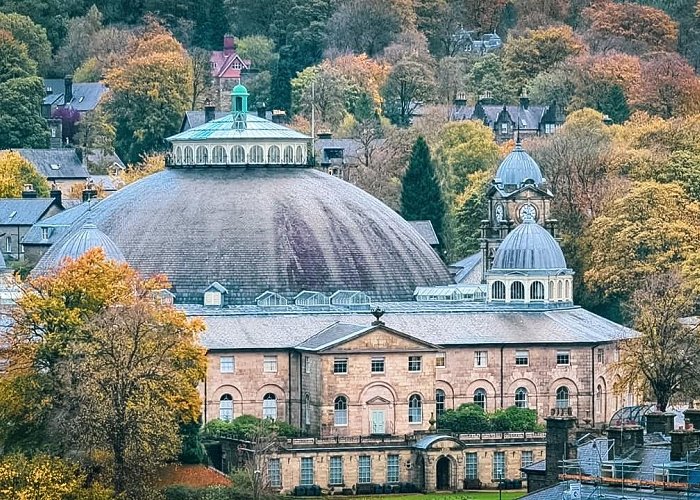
point(518, 169)
point(529, 247)
point(75, 244)
point(279, 229)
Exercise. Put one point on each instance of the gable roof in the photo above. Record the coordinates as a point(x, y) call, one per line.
point(216, 286)
point(58, 225)
point(221, 62)
point(23, 211)
point(56, 164)
point(340, 333)
point(426, 230)
point(86, 96)
point(529, 118)
point(468, 270)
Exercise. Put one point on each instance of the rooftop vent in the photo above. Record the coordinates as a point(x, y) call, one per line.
point(311, 299)
point(55, 166)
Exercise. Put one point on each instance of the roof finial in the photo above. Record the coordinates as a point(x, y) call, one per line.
point(377, 313)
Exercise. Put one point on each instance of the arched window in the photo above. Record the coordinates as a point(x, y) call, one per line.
point(560, 290)
point(480, 398)
point(238, 155)
point(178, 155)
point(218, 155)
point(517, 291)
point(439, 402)
point(202, 155)
point(273, 154)
point(270, 406)
point(498, 290)
point(415, 409)
point(288, 155)
point(562, 397)
point(307, 409)
point(551, 290)
point(567, 296)
point(189, 155)
point(226, 407)
point(300, 155)
point(599, 399)
point(537, 291)
point(521, 397)
point(256, 155)
point(340, 411)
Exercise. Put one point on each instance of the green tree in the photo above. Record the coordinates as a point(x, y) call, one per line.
point(77, 47)
point(487, 74)
point(410, 83)
point(467, 418)
point(514, 419)
point(421, 196)
point(33, 36)
point(21, 123)
point(468, 210)
point(260, 51)
point(14, 58)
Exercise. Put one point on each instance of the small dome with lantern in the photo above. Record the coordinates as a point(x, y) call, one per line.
point(518, 169)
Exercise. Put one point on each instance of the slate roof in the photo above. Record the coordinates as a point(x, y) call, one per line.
point(223, 128)
point(528, 247)
point(257, 229)
point(530, 118)
point(58, 225)
point(56, 164)
point(588, 491)
point(23, 211)
point(427, 441)
point(86, 96)
point(196, 118)
point(332, 334)
point(468, 270)
point(352, 148)
point(426, 230)
point(483, 326)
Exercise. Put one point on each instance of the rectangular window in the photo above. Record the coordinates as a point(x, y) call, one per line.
point(44, 233)
point(307, 364)
point(364, 469)
point(525, 461)
point(522, 358)
point(377, 365)
point(227, 364)
point(504, 128)
point(8, 244)
point(601, 356)
point(274, 475)
point(471, 466)
point(563, 357)
point(414, 363)
point(440, 360)
point(392, 469)
point(340, 365)
point(270, 364)
point(498, 472)
point(307, 471)
point(480, 359)
point(335, 474)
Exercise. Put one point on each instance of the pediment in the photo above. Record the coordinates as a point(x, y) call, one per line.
point(378, 400)
point(384, 339)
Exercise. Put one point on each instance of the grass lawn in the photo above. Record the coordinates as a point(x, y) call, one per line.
point(461, 495)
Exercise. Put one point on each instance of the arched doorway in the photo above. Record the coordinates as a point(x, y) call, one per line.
point(443, 474)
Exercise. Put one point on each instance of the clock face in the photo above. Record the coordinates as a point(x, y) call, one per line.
point(499, 213)
point(528, 211)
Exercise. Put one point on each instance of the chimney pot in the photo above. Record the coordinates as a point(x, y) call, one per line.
point(209, 113)
point(262, 110)
point(28, 191)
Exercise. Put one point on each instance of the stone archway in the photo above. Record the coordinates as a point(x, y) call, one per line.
point(443, 474)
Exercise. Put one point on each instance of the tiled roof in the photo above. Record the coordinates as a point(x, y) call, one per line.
point(58, 225)
point(223, 128)
point(86, 96)
point(426, 230)
point(480, 327)
point(56, 163)
point(23, 211)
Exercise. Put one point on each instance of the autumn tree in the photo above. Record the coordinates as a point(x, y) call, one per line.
point(467, 212)
point(662, 361)
point(96, 132)
point(31, 35)
point(14, 58)
point(421, 196)
point(15, 173)
point(629, 27)
point(148, 165)
point(440, 20)
point(536, 14)
point(150, 90)
point(117, 369)
point(77, 47)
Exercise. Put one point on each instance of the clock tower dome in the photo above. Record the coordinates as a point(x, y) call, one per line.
point(518, 192)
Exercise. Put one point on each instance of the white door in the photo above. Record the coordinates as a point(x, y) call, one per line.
point(378, 422)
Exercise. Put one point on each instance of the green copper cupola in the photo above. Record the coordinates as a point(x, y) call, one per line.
point(239, 106)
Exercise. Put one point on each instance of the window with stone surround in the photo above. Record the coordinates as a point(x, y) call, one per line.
point(415, 409)
point(481, 359)
point(307, 364)
point(340, 365)
point(525, 461)
point(480, 398)
point(471, 466)
point(498, 469)
point(307, 409)
point(227, 364)
point(601, 355)
point(274, 472)
point(270, 406)
point(563, 358)
point(562, 396)
point(440, 360)
point(392, 469)
point(364, 469)
point(439, 402)
point(340, 411)
point(270, 364)
point(522, 358)
point(307, 471)
point(521, 398)
point(335, 471)
point(377, 365)
point(414, 363)
point(226, 407)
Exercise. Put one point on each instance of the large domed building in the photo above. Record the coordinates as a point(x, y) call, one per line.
point(284, 263)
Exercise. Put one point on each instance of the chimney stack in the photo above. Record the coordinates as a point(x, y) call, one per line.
point(626, 437)
point(524, 100)
point(261, 109)
point(229, 45)
point(660, 422)
point(90, 191)
point(68, 91)
point(209, 112)
point(28, 191)
point(460, 99)
point(561, 442)
point(56, 193)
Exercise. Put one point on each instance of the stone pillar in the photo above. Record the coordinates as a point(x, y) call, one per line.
point(626, 438)
point(683, 442)
point(561, 442)
point(660, 422)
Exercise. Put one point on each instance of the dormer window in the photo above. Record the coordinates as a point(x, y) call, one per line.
point(504, 128)
point(213, 294)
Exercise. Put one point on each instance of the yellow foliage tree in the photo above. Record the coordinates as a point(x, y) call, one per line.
point(15, 172)
point(149, 164)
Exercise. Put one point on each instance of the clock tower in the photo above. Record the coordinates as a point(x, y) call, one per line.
point(518, 191)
